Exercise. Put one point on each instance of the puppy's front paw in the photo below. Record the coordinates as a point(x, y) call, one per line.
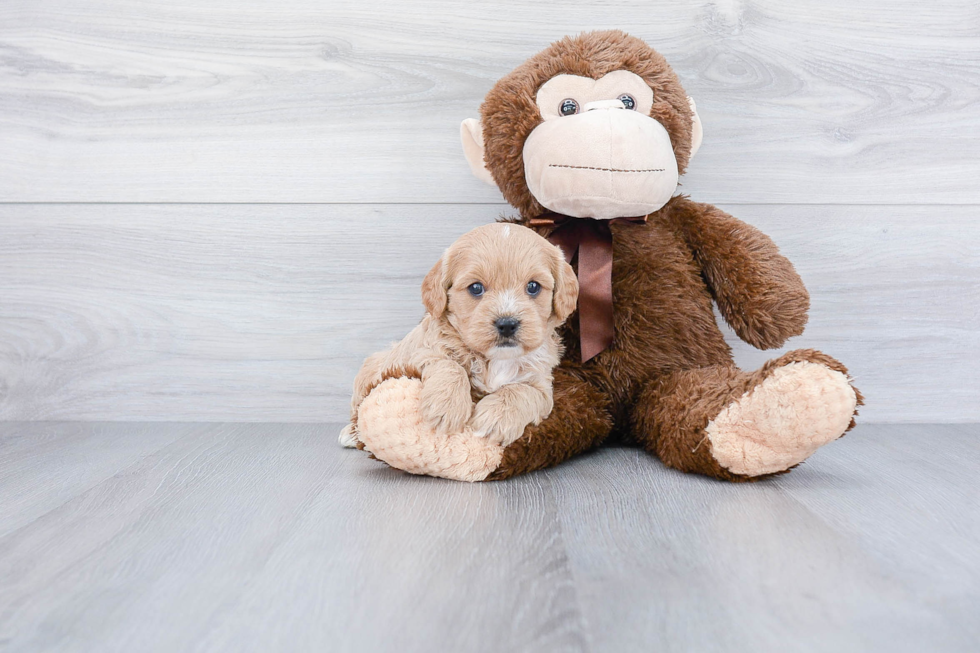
point(493, 419)
point(446, 412)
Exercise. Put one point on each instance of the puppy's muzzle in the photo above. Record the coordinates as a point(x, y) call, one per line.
point(507, 326)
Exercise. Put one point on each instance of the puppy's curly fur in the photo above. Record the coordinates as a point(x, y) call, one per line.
point(492, 273)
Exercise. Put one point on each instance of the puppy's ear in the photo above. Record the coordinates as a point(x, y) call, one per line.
point(565, 297)
point(434, 287)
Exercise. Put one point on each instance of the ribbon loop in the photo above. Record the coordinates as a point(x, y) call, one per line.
point(592, 240)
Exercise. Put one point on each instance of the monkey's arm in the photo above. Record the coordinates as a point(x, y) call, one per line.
point(757, 290)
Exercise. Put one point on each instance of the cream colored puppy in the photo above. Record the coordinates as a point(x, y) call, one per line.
point(493, 302)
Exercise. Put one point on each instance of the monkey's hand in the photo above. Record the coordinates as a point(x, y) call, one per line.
point(445, 400)
point(757, 290)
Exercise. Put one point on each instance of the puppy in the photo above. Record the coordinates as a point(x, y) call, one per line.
point(493, 302)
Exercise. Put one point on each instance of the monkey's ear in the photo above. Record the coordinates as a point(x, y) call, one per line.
point(471, 133)
point(434, 295)
point(697, 132)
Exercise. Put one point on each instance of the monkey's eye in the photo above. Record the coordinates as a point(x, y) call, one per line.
point(533, 288)
point(569, 107)
point(476, 289)
point(627, 101)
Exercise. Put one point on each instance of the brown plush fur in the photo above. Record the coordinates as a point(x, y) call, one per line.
point(510, 112)
point(669, 371)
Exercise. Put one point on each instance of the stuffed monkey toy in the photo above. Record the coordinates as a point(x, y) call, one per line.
point(587, 140)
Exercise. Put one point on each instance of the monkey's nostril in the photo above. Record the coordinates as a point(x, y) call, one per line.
point(507, 326)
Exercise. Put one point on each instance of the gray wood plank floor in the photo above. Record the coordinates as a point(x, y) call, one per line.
point(165, 537)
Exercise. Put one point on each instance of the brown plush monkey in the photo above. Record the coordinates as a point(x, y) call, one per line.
point(587, 140)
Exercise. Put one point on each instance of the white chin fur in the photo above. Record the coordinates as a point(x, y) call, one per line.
point(505, 353)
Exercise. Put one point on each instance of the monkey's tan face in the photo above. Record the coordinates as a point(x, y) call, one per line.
point(508, 288)
point(592, 148)
point(598, 153)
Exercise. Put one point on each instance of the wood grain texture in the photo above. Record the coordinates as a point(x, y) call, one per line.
point(271, 537)
point(306, 101)
point(43, 465)
point(264, 313)
point(863, 548)
point(263, 537)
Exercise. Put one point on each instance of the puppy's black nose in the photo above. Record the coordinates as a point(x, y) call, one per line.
point(507, 326)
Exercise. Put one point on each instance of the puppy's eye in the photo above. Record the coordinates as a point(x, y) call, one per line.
point(627, 101)
point(533, 288)
point(568, 107)
point(476, 289)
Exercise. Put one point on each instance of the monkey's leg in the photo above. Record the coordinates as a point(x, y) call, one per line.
point(740, 426)
point(391, 426)
point(578, 422)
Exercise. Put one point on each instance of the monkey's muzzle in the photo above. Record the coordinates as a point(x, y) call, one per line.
point(604, 163)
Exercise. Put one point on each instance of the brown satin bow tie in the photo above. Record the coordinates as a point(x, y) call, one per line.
point(592, 239)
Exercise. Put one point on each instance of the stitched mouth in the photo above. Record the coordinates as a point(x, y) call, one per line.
point(558, 165)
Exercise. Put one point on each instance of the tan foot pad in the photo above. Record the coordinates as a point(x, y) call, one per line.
point(780, 422)
point(390, 426)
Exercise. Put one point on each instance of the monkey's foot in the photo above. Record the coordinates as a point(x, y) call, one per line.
point(390, 426)
point(777, 424)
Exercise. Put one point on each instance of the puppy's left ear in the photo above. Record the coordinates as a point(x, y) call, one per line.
point(565, 297)
point(434, 287)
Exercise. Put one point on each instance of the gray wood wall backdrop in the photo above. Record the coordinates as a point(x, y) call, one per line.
point(213, 210)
